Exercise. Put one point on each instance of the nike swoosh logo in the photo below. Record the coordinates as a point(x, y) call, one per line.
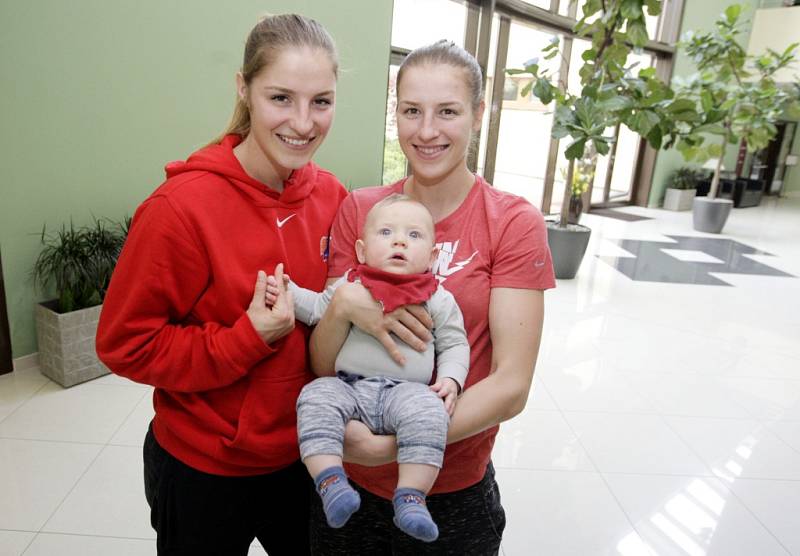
point(538, 264)
point(284, 221)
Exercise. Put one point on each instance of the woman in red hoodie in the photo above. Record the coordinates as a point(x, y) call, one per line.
point(182, 313)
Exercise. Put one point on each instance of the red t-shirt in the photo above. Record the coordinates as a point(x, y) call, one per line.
point(493, 240)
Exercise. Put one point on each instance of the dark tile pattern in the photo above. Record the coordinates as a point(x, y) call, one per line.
point(651, 264)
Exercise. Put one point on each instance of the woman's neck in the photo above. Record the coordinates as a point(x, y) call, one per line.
point(444, 196)
point(256, 165)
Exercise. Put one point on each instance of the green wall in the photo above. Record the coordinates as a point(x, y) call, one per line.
point(97, 96)
point(697, 16)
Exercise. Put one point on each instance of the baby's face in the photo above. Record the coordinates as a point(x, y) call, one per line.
point(398, 238)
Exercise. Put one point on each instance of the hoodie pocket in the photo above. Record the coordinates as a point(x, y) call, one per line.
point(266, 434)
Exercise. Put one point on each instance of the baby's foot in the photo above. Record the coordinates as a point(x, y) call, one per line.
point(339, 500)
point(411, 515)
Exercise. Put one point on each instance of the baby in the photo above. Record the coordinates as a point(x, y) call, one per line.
point(396, 251)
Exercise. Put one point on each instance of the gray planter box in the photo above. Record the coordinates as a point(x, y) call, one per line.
point(679, 199)
point(66, 344)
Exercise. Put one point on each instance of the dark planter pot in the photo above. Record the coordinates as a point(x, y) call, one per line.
point(710, 215)
point(742, 191)
point(567, 245)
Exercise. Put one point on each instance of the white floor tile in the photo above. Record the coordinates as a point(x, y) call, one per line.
point(689, 395)
point(628, 443)
point(83, 413)
point(116, 380)
point(564, 514)
point(539, 440)
point(14, 543)
point(17, 387)
point(539, 398)
point(133, 430)
point(35, 477)
point(788, 431)
point(738, 448)
point(776, 504)
point(589, 387)
point(48, 544)
point(109, 499)
point(767, 398)
point(679, 516)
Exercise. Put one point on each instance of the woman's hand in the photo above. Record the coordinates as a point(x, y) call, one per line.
point(411, 323)
point(447, 389)
point(275, 321)
point(363, 447)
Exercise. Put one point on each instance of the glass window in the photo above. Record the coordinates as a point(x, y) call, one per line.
point(524, 137)
point(394, 162)
point(416, 23)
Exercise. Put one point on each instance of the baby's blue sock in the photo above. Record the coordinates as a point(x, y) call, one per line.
point(411, 514)
point(339, 500)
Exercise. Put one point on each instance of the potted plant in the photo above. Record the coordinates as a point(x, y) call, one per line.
point(79, 263)
point(611, 94)
point(681, 189)
point(737, 98)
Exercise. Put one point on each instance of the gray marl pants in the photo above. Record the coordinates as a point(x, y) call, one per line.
point(409, 410)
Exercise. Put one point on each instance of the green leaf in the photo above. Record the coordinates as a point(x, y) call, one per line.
point(732, 13)
point(631, 9)
point(644, 121)
point(647, 73)
point(681, 105)
point(526, 89)
point(601, 145)
point(653, 7)
point(543, 90)
point(575, 149)
point(637, 32)
point(615, 103)
point(654, 137)
point(707, 100)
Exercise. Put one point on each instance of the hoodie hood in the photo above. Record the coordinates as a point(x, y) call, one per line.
point(219, 159)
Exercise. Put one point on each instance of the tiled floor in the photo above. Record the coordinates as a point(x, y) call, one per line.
point(664, 420)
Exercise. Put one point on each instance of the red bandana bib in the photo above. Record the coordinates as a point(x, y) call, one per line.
point(395, 290)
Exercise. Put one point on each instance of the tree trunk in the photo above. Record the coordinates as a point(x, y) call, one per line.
point(562, 223)
point(712, 192)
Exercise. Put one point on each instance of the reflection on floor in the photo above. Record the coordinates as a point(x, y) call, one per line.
point(664, 418)
point(661, 261)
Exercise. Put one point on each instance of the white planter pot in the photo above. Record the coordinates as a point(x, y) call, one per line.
point(679, 199)
point(66, 344)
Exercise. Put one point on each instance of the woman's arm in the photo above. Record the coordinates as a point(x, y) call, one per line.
point(143, 334)
point(516, 317)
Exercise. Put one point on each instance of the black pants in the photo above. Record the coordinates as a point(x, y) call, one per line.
point(199, 514)
point(470, 521)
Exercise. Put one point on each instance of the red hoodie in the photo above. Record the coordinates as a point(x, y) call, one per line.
point(174, 315)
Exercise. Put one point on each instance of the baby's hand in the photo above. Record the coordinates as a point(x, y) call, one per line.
point(272, 289)
point(447, 389)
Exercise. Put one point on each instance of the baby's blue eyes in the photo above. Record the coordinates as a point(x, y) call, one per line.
point(415, 235)
point(385, 231)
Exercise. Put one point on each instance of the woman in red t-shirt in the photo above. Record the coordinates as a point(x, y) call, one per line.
point(494, 259)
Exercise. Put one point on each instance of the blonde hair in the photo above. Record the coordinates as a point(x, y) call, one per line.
point(449, 53)
point(272, 35)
